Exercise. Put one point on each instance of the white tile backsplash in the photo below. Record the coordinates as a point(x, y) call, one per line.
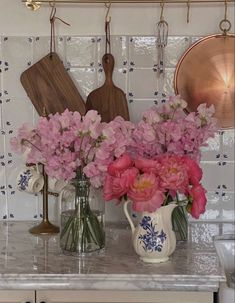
point(119, 49)
point(81, 51)
point(135, 73)
point(142, 51)
point(142, 89)
point(17, 51)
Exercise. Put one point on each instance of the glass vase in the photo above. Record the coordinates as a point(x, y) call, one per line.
point(82, 229)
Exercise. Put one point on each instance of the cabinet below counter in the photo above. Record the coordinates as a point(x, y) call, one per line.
point(36, 263)
point(105, 296)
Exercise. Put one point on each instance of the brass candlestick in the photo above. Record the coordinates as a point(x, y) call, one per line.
point(45, 227)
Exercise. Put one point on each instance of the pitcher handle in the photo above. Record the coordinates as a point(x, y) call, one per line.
point(128, 215)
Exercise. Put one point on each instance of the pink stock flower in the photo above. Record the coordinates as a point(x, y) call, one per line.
point(198, 194)
point(168, 129)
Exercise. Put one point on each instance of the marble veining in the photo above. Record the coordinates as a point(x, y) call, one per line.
point(31, 262)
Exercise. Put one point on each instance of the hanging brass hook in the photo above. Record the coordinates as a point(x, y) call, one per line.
point(33, 5)
point(188, 9)
point(53, 10)
point(107, 5)
point(52, 3)
point(162, 4)
point(225, 24)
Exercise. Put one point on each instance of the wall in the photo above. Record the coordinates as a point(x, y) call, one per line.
point(24, 40)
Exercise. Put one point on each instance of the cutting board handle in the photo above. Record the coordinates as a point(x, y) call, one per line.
point(108, 65)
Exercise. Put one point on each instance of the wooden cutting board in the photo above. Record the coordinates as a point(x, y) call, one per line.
point(48, 84)
point(109, 100)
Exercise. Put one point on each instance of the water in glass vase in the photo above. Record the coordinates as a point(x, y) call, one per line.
point(82, 234)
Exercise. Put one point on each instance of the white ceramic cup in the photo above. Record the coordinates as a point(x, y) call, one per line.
point(56, 185)
point(30, 180)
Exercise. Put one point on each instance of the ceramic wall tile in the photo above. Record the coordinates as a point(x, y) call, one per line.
point(53, 209)
point(3, 191)
point(137, 107)
point(17, 51)
point(84, 79)
point(228, 206)
point(119, 50)
point(195, 39)
point(12, 118)
point(227, 171)
point(142, 51)
point(175, 48)
point(211, 152)
point(142, 89)
point(228, 228)
point(11, 83)
point(41, 47)
point(211, 179)
point(1, 98)
point(228, 143)
point(168, 83)
point(81, 51)
point(114, 212)
point(21, 206)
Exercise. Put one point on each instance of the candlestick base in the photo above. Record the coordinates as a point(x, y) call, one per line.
point(44, 228)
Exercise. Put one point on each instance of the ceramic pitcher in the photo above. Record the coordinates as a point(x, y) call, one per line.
point(153, 238)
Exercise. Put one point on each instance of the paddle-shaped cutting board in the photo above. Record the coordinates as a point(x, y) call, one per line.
point(49, 86)
point(109, 100)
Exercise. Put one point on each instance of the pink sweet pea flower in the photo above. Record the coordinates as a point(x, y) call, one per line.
point(145, 193)
point(117, 167)
point(198, 194)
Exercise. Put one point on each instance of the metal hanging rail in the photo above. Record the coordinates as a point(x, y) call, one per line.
point(36, 4)
point(128, 1)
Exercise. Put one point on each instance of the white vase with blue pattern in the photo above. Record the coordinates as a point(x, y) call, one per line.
point(153, 238)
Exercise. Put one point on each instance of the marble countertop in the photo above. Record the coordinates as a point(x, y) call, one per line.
point(31, 262)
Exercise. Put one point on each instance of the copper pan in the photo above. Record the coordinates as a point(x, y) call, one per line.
point(205, 74)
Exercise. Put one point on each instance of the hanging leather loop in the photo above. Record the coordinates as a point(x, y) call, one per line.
point(107, 29)
point(52, 21)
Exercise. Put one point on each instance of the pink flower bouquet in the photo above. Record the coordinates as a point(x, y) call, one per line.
point(78, 149)
point(150, 184)
point(68, 144)
point(162, 164)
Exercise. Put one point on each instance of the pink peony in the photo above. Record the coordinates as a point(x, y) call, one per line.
point(194, 171)
point(150, 205)
point(173, 173)
point(147, 165)
point(198, 194)
point(117, 167)
point(116, 187)
point(144, 189)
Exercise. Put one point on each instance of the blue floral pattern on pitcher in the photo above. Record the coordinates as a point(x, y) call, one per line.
point(152, 240)
point(24, 180)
